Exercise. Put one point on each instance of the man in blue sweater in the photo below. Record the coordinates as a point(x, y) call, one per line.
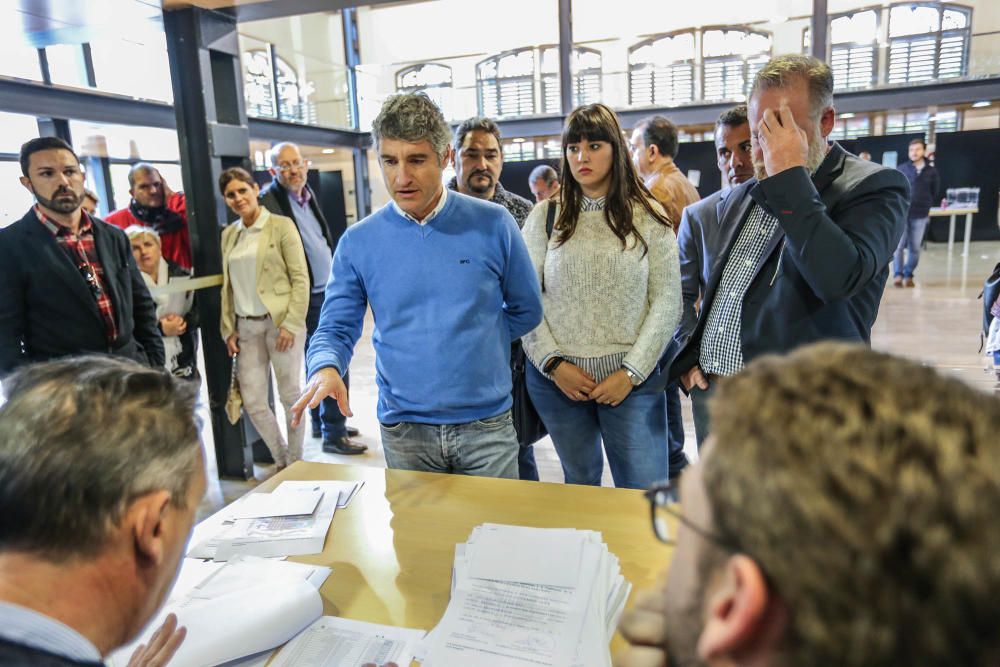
point(450, 286)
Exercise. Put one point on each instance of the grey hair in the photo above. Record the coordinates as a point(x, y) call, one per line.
point(82, 438)
point(783, 71)
point(140, 168)
point(544, 172)
point(272, 155)
point(477, 124)
point(134, 232)
point(412, 117)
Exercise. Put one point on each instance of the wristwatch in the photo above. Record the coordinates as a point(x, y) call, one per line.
point(632, 377)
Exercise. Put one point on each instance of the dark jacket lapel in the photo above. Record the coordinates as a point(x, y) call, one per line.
point(111, 263)
point(53, 256)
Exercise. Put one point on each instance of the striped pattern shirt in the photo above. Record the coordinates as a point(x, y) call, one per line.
point(721, 347)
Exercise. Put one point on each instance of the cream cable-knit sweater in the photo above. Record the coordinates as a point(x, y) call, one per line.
point(599, 300)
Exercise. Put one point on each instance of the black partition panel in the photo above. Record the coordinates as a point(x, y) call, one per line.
point(514, 176)
point(969, 160)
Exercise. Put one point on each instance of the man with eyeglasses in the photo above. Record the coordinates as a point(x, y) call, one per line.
point(289, 195)
point(843, 513)
point(68, 281)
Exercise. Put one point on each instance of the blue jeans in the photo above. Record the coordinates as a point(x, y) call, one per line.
point(913, 236)
point(484, 448)
point(634, 433)
point(526, 467)
point(675, 430)
point(333, 423)
point(699, 406)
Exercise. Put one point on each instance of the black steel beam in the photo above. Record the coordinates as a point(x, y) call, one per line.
point(912, 97)
point(818, 25)
point(269, 9)
point(565, 56)
point(19, 96)
point(196, 71)
point(276, 130)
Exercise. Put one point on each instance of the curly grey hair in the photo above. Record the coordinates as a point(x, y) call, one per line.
point(412, 117)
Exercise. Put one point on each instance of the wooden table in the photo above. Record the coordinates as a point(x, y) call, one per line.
point(952, 213)
point(392, 548)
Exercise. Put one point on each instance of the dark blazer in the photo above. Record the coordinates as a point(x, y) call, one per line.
point(274, 197)
point(824, 269)
point(47, 310)
point(699, 240)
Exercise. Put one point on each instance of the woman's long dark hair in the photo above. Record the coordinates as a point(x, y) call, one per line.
point(596, 122)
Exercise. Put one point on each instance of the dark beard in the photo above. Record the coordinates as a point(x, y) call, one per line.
point(479, 190)
point(60, 205)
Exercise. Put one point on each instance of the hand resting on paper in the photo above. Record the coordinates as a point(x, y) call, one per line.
point(162, 645)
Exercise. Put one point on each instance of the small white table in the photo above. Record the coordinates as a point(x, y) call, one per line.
point(952, 213)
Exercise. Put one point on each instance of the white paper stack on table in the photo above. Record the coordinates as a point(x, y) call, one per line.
point(292, 520)
point(529, 596)
point(234, 609)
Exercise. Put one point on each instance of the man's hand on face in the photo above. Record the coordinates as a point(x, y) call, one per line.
point(785, 144)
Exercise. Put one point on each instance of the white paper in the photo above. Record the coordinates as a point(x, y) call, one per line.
point(548, 557)
point(260, 505)
point(341, 642)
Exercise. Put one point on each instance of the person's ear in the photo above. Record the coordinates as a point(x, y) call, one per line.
point(742, 616)
point(449, 158)
point(273, 172)
point(146, 517)
point(26, 182)
point(827, 121)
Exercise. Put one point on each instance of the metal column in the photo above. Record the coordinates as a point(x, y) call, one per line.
point(352, 56)
point(565, 55)
point(818, 29)
point(212, 131)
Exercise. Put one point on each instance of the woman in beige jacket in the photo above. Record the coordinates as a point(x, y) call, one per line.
point(265, 294)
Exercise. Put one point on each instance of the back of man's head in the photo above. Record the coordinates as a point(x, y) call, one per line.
point(545, 173)
point(867, 489)
point(659, 131)
point(80, 439)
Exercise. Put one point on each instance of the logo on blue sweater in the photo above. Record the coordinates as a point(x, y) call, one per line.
point(464, 261)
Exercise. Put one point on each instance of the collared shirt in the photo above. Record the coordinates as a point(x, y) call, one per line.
point(721, 345)
point(313, 241)
point(83, 254)
point(27, 627)
point(593, 204)
point(243, 267)
point(516, 205)
point(430, 216)
point(302, 199)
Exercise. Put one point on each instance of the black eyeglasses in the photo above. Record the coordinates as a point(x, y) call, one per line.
point(663, 498)
point(90, 277)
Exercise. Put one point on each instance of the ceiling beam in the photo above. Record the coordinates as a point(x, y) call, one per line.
point(273, 9)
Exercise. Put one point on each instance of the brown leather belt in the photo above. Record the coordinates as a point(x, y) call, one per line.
point(256, 318)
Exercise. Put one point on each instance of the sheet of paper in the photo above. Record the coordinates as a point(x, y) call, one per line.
point(260, 505)
point(548, 557)
point(341, 642)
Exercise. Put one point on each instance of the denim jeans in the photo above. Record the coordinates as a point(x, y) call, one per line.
point(484, 448)
point(526, 467)
point(699, 406)
point(675, 430)
point(634, 433)
point(333, 423)
point(913, 236)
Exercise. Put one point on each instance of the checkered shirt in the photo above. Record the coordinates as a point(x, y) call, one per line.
point(81, 251)
point(721, 348)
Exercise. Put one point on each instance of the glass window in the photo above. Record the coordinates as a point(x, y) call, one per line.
point(506, 84)
point(585, 64)
point(136, 66)
point(730, 60)
point(434, 79)
point(851, 128)
point(170, 172)
point(66, 65)
point(906, 122)
point(17, 128)
point(661, 70)
point(15, 200)
point(19, 60)
point(127, 142)
point(928, 41)
point(854, 49)
point(519, 151)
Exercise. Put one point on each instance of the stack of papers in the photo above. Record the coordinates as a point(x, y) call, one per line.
point(293, 520)
point(529, 596)
point(239, 608)
point(340, 642)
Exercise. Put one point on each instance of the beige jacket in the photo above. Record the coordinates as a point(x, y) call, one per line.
point(673, 190)
point(282, 273)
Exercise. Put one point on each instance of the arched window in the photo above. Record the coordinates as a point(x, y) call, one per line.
point(927, 41)
point(505, 84)
point(730, 59)
point(433, 79)
point(661, 70)
point(586, 68)
point(854, 49)
point(259, 90)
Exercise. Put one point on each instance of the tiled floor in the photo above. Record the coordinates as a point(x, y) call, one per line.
point(937, 322)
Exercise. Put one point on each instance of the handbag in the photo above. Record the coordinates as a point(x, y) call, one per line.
point(234, 399)
point(529, 426)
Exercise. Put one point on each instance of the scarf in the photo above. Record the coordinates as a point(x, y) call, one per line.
point(168, 304)
point(160, 218)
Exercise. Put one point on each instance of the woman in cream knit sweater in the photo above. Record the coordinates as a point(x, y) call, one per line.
point(611, 296)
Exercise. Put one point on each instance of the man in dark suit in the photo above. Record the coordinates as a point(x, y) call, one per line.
point(700, 234)
point(68, 282)
point(808, 252)
point(290, 195)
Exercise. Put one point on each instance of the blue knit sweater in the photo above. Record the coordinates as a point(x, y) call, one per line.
point(448, 297)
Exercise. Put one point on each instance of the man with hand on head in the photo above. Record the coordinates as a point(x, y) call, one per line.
point(450, 286)
point(808, 255)
point(101, 472)
point(843, 513)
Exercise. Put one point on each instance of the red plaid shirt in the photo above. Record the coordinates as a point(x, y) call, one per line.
point(81, 251)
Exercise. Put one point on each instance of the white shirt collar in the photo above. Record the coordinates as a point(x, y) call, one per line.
point(430, 216)
point(263, 215)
